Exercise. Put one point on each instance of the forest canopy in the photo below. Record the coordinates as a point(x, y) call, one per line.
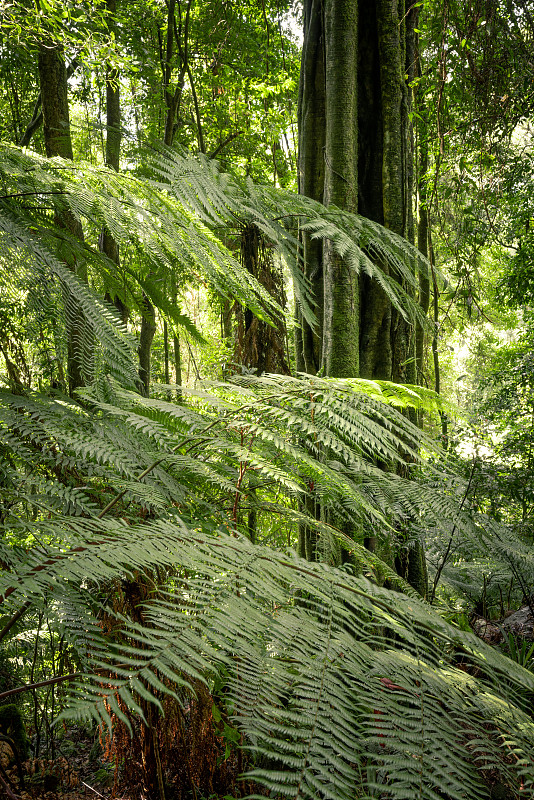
point(266, 407)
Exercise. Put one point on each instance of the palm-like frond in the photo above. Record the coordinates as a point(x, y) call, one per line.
point(340, 688)
point(221, 201)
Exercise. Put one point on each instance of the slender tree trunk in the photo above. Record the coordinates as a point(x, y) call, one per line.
point(176, 348)
point(54, 97)
point(173, 101)
point(166, 352)
point(422, 243)
point(435, 340)
point(55, 107)
point(146, 336)
point(311, 160)
point(177, 360)
point(37, 115)
point(108, 244)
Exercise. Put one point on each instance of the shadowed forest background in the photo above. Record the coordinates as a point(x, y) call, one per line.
point(267, 399)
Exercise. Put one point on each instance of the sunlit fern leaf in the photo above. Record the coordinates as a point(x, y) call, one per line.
point(278, 429)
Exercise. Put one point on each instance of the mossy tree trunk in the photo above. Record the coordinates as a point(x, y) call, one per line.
point(375, 308)
point(355, 151)
point(341, 289)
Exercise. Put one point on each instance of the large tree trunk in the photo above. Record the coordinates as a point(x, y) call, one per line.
point(341, 289)
point(391, 45)
point(375, 308)
point(56, 125)
point(355, 151)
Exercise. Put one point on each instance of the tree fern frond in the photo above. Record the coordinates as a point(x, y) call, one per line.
point(334, 682)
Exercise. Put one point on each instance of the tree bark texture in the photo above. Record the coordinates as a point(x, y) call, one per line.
point(396, 169)
point(355, 151)
point(53, 82)
point(260, 346)
point(422, 244)
point(340, 357)
point(113, 150)
point(37, 116)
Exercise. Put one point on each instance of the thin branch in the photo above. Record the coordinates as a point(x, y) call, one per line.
point(11, 795)
point(28, 687)
point(201, 144)
point(230, 138)
point(448, 550)
point(29, 194)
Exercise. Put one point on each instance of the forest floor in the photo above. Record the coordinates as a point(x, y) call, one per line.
point(77, 772)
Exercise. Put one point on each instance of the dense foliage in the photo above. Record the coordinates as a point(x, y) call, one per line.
point(246, 584)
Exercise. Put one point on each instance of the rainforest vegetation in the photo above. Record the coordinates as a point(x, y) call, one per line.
point(267, 399)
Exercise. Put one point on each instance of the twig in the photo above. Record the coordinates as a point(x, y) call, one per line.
point(6, 786)
point(230, 138)
point(91, 788)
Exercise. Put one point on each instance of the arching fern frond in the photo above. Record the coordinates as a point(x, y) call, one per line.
point(176, 228)
point(340, 689)
point(280, 214)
